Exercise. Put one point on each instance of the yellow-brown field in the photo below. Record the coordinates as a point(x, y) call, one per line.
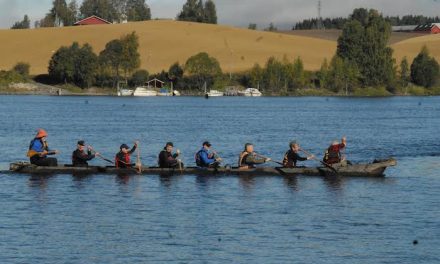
point(411, 47)
point(164, 42)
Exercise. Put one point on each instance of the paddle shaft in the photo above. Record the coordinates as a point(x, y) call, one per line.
point(322, 162)
point(271, 160)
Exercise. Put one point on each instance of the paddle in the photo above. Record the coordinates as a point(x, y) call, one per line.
point(101, 157)
point(320, 161)
point(179, 161)
point(138, 159)
point(270, 160)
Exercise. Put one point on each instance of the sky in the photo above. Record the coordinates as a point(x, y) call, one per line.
point(283, 13)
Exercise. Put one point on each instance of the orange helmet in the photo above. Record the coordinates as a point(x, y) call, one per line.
point(41, 133)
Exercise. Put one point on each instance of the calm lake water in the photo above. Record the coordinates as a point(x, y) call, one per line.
point(190, 219)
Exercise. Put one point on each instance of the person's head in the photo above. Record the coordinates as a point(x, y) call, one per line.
point(294, 146)
point(41, 134)
point(248, 147)
point(169, 147)
point(124, 148)
point(207, 145)
point(335, 142)
point(81, 145)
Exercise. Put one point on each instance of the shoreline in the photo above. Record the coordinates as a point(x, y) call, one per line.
point(38, 89)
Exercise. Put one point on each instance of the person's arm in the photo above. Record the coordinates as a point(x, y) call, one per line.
point(205, 158)
point(252, 159)
point(299, 158)
point(133, 149)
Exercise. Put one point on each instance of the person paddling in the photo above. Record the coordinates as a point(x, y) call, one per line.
point(167, 159)
point(39, 151)
point(80, 158)
point(206, 159)
point(248, 158)
point(292, 156)
point(333, 154)
point(122, 159)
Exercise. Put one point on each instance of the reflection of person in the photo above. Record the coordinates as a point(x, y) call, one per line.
point(167, 159)
point(333, 153)
point(292, 156)
point(122, 159)
point(248, 158)
point(39, 151)
point(80, 157)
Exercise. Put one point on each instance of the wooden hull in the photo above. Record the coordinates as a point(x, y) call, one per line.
point(358, 170)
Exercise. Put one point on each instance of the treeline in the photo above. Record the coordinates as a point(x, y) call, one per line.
point(339, 22)
point(63, 13)
point(66, 14)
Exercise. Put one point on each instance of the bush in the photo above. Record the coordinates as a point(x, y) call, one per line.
point(425, 69)
point(23, 69)
point(371, 92)
point(8, 77)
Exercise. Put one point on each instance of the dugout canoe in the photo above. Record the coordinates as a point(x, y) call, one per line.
point(374, 169)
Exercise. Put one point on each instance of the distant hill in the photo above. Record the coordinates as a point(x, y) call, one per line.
point(164, 42)
point(411, 47)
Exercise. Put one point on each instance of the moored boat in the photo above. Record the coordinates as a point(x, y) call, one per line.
point(375, 169)
point(144, 92)
point(250, 92)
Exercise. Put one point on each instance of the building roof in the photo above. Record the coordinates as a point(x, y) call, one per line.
point(90, 18)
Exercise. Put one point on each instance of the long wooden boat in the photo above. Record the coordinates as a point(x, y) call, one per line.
point(375, 169)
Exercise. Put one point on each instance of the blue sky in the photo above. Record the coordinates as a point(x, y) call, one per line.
point(283, 13)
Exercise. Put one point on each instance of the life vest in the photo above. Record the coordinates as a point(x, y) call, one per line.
point(124, 162)
point(287, 162)
point(333, 155)
point(242, 158)
point(198, 159)
point(32, 152)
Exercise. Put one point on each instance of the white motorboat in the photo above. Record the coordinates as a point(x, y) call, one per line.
point(144, 92)
point(250, 92)
point(214, 93)
point(125, 92)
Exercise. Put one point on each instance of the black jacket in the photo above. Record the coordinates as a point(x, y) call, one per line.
point(167, 160)
point(79, 158)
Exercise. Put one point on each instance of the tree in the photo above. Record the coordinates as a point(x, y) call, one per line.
point(59, 12)
point(86, 64)
point(102, 8)
point(72, 13)
point(210, 12)
point(404, 72)
point(23, 69)
point(298, 73)
point(139, 78)
point(256, 75)
point(252, 26)
point(323, 74)
point(271, 28)
point(364, 42)
point(137, 10)
point(425, 69)
point(203, 67)
point(121, 56)
point(342, 75)
point(197, 11)
point(24, 24)
point(175, 74)
point(74, 64)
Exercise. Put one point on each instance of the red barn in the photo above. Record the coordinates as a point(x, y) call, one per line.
point(93, 20)
point(433, 28)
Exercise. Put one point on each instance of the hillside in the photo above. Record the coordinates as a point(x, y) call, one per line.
point(165, 42)
point(411, 47)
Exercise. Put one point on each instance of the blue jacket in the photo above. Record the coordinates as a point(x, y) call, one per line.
point(203, 159)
